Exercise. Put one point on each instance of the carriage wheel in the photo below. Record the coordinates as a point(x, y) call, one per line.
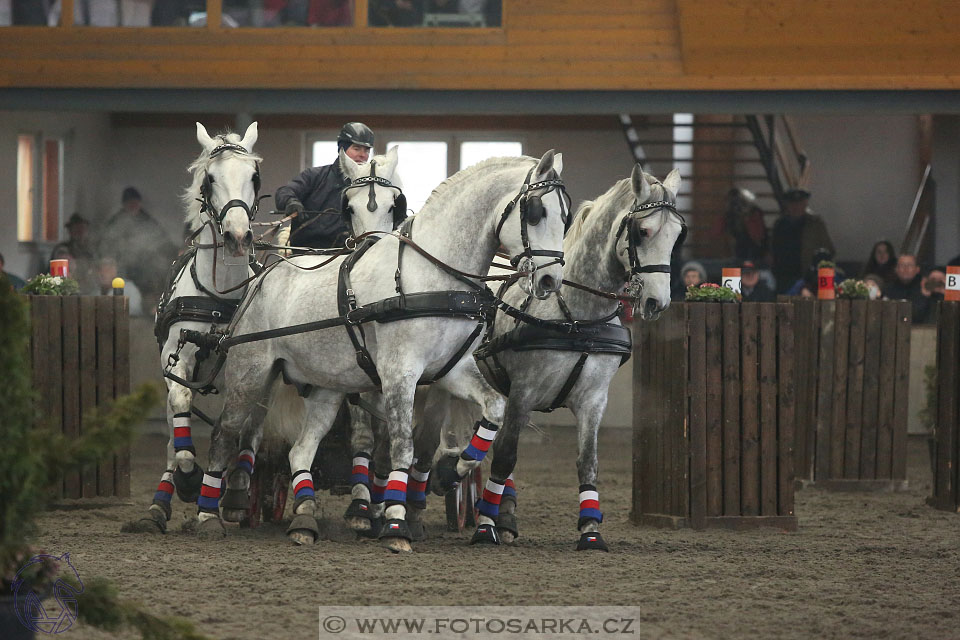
point(461, 503)
point(281, 487)
point(252, 521)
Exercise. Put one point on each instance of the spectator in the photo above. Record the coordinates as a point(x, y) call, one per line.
point(16, 281)
point(882, 262)
point(875, 285)
point(106, 272)
point(933, 286)
point(106, 13)
point(691, 274)
point(797, 235)
point(810, 280)
point(319, 189)
point(743, 221)
point(396, 13)
point(908, 286)
point(330, 13)
point(752, 288)
point(78, 249)
point(139, 245)
point(28, 12)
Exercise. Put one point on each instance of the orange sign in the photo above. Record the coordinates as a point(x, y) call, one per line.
point(952, 292)
point(730, 278)
point(60, 267)
point(825, 290)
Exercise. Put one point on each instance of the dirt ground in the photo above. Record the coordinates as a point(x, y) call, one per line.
point(871, 565)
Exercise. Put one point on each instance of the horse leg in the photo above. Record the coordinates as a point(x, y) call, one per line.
point(236, 496)
point(433, 411)
point(358, 515)
point(322, 406)
point(466, 382)
point(589, 411)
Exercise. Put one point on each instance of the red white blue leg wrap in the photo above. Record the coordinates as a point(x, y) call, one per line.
point(376, 491)
point(509, 489)
point(165, 488)
point(396, 490)
point(489, 504)
point(245, 461)
point(182, 438)
point(417, 487)
point(302, 486)
point(209, 500)
point(483, 437)
point(361, 469)
point(589, 505)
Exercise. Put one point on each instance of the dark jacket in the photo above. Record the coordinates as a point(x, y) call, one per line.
point(794, 243)
point(316, 189)
point(912, 292)
point(760, 293)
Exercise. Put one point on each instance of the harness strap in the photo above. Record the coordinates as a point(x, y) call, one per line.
point(192, 309)
point(452, 362)
point(571, 381)
point(347, 303)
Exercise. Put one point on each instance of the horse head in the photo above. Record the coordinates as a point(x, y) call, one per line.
point(646, 239)
point(374, 200)
point(227, 183)
point(540, 214)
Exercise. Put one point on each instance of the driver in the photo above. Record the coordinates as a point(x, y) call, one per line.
point(318, 189)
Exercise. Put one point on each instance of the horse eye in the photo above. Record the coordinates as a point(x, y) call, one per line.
point(643, 233)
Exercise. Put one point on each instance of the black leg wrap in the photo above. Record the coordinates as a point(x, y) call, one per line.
point(395, 528)
point(188, 484)
point(417, 530)
point(165, 506)
point(507, 522)
point(358, 509)
point(304, 522)
point(445, 478)
point(485, 534)
point(591, 541)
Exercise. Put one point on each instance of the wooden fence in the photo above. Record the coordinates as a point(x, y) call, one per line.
point(853, 374)
point(946, 458)
point(713, 417)
point(81, 361)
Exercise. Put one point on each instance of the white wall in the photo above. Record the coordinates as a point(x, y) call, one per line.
point(864, 175)
point(946, 173)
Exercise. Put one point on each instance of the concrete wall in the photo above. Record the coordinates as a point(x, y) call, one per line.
point(946, 173)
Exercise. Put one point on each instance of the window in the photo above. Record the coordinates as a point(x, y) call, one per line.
point(423, 165)
point(683, 153)
point(25, 170)
point(473, 152)
point(136, 13)
point(435, 13)
point(39, 218)
point(287, 13)
point(323, 152)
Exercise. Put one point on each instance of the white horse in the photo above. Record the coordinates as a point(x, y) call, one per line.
point(464, 222)
point(219, 204)
point(637, 218)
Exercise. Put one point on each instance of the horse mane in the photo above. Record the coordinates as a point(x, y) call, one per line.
point(619, 197)
point(198, 168)
point(467, 173)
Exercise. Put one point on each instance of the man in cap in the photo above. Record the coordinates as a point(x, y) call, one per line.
point(79, 250)
point(797, 235)
point(752, 288)
point(318, 189)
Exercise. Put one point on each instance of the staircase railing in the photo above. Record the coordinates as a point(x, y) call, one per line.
point(918, 239)
point(785, 162)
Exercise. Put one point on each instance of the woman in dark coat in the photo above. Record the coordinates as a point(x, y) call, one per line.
point(882, 262)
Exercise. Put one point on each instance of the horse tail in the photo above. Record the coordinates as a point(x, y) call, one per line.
point(286, 413)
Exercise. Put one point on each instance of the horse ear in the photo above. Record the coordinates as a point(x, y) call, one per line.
point(390, 162)
point(250, 137)
point(204, 138)
point(672, 182)
point(545, 164)
point(350, 168)
point(639, 184)
point(558, 163)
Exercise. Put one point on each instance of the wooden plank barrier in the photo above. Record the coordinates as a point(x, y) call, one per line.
point(80, 347)
point(946, 466)
point(713, 417)
point(853, 368)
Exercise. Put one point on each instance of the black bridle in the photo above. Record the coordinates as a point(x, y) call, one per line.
point(206, 190)
point(531, 213)
point(636, 234)
point(399, 207)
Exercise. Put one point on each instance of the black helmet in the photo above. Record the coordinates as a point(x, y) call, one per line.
point(355, 133)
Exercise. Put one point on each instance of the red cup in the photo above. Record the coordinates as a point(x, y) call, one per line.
point(60, 267)
point(825, 287)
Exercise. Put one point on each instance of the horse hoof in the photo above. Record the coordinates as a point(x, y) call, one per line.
point(397, 545)
point(211, 529)
point(358, 515)
point(303, 530)
point(188, 484)
point(507, 527)
point(153, 522)
point(234, 504)
point(395, 535)
point(418, 533)
point(445, 478)
point(485, 534)
point(234, 515)
point(592, 541)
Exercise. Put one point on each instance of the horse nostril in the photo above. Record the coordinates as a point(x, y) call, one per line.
point(652, 306)
point(548, 283)
point(248, 238)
